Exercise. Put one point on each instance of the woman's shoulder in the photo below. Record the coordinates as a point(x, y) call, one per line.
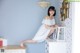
point(46, 17)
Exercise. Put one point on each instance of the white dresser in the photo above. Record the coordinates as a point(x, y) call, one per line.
point(12, 49)
point(56, 43)
point(56, 47)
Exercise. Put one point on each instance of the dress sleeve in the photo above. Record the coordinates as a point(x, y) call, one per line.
point(45, 21)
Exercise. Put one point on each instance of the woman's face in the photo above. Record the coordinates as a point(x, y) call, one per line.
point(51, 12)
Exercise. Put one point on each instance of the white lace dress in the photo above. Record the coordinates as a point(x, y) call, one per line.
point(43, 32)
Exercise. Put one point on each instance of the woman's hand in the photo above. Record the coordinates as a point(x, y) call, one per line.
point(51, 27)
point(47, 26)
point(56, 26)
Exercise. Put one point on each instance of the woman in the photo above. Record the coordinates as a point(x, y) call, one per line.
point(47, 28)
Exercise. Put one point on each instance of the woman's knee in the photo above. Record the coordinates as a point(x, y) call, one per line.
point(52, 29)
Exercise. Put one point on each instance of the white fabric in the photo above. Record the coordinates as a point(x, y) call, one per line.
point(43, 32)
point(48, 21)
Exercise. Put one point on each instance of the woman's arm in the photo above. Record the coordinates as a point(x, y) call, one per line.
point(55, 26)
point(51, 27)
point(48, 26)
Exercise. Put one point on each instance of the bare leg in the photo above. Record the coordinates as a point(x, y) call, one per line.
point(27, 41)
point(52, 30)
point(32, 41)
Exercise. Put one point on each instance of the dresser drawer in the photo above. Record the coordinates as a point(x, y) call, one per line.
point(56, 47)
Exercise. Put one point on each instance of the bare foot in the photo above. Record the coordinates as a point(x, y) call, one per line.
point(22, 44)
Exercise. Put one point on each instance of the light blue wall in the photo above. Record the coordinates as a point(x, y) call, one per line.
point(20, 20)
